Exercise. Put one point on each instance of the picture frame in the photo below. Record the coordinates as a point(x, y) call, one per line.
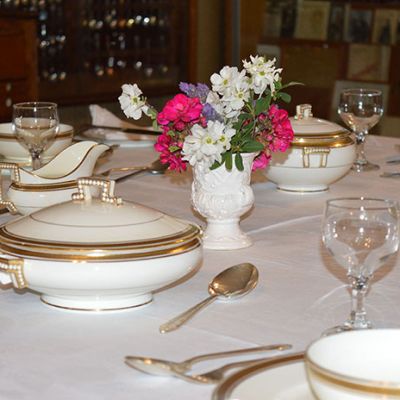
point(368, 62)
point(312, 20)
point(359, 25)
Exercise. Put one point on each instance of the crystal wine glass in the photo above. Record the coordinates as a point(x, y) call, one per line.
point(360, 233)
point(35, 125)
point(361, 109)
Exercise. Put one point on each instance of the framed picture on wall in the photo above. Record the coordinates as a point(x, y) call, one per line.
point(312, 20)
point(368, 62)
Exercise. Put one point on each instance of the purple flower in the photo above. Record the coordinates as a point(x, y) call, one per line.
point(200, 90)
point(210, 114)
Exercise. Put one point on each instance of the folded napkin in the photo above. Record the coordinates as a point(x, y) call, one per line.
point(103, 117)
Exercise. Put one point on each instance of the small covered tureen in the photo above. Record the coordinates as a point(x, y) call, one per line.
point(321, 153)
point(97, 253)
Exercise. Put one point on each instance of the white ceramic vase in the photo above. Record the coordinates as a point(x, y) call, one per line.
point(222, 196)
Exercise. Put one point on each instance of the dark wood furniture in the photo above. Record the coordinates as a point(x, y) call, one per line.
point(18, 66)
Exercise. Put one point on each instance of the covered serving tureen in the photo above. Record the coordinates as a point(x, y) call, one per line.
point(321, 153)
point(97, 253)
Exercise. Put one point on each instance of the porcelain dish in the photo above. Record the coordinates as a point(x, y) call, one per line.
point(280, 378)
point(321, 153)
point(54, 182)
point(97, 253)
point(12, 151)
point(355, 365)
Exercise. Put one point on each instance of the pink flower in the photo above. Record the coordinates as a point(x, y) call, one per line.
point(261, 161)
point(282, 134)
point(180, 111)
point(170, 151)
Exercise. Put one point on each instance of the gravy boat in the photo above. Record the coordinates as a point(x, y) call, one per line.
point(54, 182)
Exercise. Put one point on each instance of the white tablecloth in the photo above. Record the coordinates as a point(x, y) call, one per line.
point(51, 354)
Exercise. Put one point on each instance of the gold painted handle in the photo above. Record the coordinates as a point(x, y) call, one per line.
point(322, 151)
point(15, 268)
point(106, 190)
point(14, 169)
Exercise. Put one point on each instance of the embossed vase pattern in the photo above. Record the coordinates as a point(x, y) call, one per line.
point(222, 196)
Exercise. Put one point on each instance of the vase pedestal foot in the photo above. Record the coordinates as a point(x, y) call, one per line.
point(225, 235)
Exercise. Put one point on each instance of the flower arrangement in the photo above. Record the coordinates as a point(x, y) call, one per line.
point(216, 126)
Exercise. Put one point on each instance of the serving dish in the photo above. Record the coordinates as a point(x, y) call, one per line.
point(12, 151)
point(97, 253)
point(276, 379)
point(54, 182)
point(321, 153)
point(355, 365)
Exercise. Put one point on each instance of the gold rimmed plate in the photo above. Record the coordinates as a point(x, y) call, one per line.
point(276, 379)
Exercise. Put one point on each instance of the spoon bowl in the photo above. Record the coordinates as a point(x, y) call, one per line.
point(155, 366)
point(232, 282)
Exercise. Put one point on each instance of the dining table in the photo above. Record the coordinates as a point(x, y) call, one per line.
point(53, 354)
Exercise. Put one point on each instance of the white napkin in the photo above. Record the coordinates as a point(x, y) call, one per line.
point(103, 117)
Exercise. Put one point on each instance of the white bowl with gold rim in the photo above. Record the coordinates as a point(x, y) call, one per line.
point(53, 183)
point(13, 151)
point(97, 253)
point(355, 365)
point(321, 153)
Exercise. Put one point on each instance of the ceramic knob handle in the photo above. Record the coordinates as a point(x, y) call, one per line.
point(106, 190)
point(15, 269)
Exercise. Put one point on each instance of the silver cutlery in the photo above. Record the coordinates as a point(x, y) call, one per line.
point(155, 168)
point(235, 281)
point(216, 375)
point(154, 366)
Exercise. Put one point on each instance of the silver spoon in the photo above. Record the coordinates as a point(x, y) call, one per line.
point(390, 175)
point(156, 366)
point(232, 282)
point(155, 168)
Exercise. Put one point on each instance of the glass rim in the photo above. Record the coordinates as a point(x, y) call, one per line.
point(366, 206)
point(35, 104)
point(362, 91)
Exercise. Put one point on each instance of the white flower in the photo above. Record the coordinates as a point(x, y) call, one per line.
point(222, 82)
point(263, 73)
point(132, 102)
point(205, 145)
point(239, 94)
point(214, 99)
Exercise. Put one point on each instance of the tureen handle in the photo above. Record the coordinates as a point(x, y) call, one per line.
point(106, 190)
point(15, 270)
point(14, 169)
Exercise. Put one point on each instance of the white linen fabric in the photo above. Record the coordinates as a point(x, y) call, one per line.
point(52, 354)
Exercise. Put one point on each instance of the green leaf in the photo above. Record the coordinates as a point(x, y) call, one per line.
point(262, 104)
point(285, 97)
point(228, 160)
point(252, 147)
point(239, 162)
point(215, 165)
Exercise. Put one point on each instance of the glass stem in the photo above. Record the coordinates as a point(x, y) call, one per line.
point(360, 141)
point(36, 161)
point(358, 316)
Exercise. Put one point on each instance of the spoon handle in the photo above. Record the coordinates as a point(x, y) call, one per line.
point(176, 322)
point(122, 178)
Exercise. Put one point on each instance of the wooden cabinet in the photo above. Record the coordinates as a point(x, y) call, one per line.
point(327, 45)
point(18, 66)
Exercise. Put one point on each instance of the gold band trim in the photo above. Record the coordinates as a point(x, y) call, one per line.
point(14, 240)
point(23, 187)
point(100, 256)
point(333, 140)
point(63, 135)
point(94, 309)
point(359, 385)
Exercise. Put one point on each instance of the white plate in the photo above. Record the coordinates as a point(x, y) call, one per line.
point(281, 378)
point(122, 139)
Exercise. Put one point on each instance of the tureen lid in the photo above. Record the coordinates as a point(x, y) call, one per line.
point(97, 229)
point(311, 131)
